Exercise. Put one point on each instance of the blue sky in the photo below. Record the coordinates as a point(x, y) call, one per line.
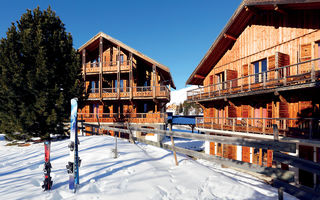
point(176, 33)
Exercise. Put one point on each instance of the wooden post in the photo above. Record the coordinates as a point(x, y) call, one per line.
point(154, 81)
point(130, 134)
point(313, 75)
point(310, 129)
point(173, 148)
point(233, 125)
point(285, 76)
point(118, 72)
point(264, 125)
point(275, 132)
point(247, 125)
point(100, 64)
point(131, 76)
point(264, 79)
point(249, 77)
point(280, 193)
point(84, 64)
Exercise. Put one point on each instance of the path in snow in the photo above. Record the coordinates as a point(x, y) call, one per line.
point(140, 172)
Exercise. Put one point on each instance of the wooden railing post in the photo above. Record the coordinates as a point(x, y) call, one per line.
point(249, 77)
point(264, 126)
point(313, 75)
point(310, 128)
point(233, 124)
point(285, 76)
point(247, 125)
point(264, 79)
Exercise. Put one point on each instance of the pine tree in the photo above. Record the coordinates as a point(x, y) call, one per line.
point(39, 74)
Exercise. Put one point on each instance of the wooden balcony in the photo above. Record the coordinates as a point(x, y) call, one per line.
point(306, 128)
point(139, 118)
point(301, 75)
point(107, 67)
point(140, 92)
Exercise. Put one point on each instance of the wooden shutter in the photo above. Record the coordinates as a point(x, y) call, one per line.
point(232, 112)
point(284, 110)
point(245, 111)
point(246, 154)
point(305, 52)
point(212, 148)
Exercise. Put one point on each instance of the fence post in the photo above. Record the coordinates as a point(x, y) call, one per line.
point(280, 193)
point(172, 141)
point(82, 128)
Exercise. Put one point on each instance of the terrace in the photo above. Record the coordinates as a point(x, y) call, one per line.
point(300, 75)
point(139, 92)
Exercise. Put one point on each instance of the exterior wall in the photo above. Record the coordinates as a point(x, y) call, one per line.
point(282, 40)
point(278, 40)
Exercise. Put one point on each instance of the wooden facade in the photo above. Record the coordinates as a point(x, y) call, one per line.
point(263, 69)
point(122, 83)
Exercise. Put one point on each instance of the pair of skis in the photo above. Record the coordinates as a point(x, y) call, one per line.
point(47, 183)
point(74, 160)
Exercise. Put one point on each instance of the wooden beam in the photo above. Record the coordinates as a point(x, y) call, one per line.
point(100, 64)
point(297, 191)
point(264, 144)
point(230, 37)
point(268, 171)
point(199, 76)
point(252, 9)
point(279, 10)
point(282, 99)
point(118, 72)
point(297, 162)
point(84, 64)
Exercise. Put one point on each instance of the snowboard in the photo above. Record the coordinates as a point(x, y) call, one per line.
point(74, 161)
point(47, 183)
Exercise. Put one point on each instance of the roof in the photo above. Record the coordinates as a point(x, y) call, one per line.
point(236, 25)
point(133, 51)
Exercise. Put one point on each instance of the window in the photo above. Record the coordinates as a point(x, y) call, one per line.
point(94, 86)
point(121, 58)
point(259, 67)
point(221, 79)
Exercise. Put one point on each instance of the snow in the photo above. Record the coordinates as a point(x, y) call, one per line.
point(140, 172)
point(179, 96)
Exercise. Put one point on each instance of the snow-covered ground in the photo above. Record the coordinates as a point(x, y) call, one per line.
point(140, 172)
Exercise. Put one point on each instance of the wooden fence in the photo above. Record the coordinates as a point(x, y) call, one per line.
point(281, 178)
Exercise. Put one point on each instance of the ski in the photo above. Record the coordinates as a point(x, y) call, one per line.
point(47, 183)
point(74, 161)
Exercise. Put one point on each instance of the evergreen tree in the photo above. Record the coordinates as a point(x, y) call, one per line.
point(39, 73)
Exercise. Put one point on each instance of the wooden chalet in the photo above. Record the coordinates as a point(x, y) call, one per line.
point(122, 84)
point(264, 70)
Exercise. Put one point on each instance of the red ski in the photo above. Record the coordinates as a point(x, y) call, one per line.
point(47, 183)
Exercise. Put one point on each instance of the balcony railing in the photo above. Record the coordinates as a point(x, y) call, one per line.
point(296, 74)
point(107, 66)
point(137, 92)
point(291, 127)
point(129, 117)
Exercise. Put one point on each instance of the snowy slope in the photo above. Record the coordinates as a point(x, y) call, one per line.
point(179, 96)
point(140, 172)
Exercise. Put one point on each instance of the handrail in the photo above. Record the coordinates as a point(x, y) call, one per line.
point(249, 82)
